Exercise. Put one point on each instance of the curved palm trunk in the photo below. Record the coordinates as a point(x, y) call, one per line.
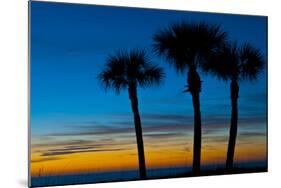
point(134, 104)
point(233, 125)
point(194, 87)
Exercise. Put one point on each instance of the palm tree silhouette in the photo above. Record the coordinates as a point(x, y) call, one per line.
point(187, 46)
point(128, 70)
point(235, 64)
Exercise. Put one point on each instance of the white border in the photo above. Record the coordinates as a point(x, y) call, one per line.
point(255, 7)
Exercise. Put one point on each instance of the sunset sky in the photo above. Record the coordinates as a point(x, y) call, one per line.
point(76, 126)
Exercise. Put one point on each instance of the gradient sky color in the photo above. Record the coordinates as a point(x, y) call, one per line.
point(76, 126)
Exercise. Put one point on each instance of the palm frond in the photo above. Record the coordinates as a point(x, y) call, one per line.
point(113, 76)
point(168, 44)
point(252, 62)
point(142, 71)
point(186, 45)
point(151, 75)
point(136, 63)
point(224, 63)
point(130, 67)
point(233, 62)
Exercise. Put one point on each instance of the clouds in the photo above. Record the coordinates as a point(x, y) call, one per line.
point(115, 133)
point(161, 130)
point(154, 125)
point(163, 135)
point(72, 146)
point(252, 134)
point(65, 151)
point(44, 159)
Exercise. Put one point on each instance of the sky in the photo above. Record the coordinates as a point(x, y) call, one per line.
point(77, 126)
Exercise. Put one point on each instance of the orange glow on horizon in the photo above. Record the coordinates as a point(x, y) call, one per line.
point(127, 160)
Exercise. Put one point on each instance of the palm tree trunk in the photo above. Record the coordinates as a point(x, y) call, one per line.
point(197, 134)
point(134, 104)
point(233, 125)
point(194, 87)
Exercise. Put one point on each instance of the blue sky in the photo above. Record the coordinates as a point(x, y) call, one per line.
point(69, 45)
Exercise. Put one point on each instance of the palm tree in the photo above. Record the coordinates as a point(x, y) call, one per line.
point(235, 64)
point(128, 70)
point(187, 46)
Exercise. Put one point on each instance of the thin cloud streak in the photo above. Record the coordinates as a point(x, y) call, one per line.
point(45, 159)
point(158, 122)
point(63, 152)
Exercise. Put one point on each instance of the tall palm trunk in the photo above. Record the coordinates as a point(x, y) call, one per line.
point(194, 87)
point(233, 125)
point(134, 104)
